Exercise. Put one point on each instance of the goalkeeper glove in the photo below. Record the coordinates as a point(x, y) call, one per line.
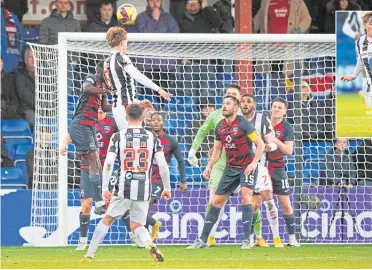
point(192, 159)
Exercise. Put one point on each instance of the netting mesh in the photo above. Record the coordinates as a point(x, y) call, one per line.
point(197, 74)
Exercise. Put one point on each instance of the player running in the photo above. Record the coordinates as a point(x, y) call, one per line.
point(264, 187)
point(364, 49)
point(236, 135)
point(136, 148)
point(276, 165)
point(120, 73)
point(170, 147)
point(210, 123)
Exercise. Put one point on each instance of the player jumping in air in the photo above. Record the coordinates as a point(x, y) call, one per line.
point(82, 133)
point(210, 123)
point(364, 51)
point(136, 148)
point(276, 165)
point(104, 129)
point(236, 135)
point(120, 73)
point(170, 147)
point(264, 187)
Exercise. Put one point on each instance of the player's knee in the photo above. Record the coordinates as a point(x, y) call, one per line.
point(134, 226)
point(107, 220)
point(247, 195)
point(86, 206)
point(218, 201)
point(286, 207)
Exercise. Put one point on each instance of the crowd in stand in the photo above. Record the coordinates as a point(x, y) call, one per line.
point(184, 16)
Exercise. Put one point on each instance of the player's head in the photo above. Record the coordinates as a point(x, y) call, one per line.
point(367, 22)
point(279, 108)
point(341, 144)
point(101, 114)
point(230, 106)
point(117, 38)
point(99, 71)
point(135, 113)
point(248, 104)
point(233, 90)
point(157, 122)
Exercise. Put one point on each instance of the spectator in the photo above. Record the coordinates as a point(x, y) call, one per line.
point(11, 40)
point(161, 71)
point(282, 17)
point(9, 99)
point(317, 115)
point(177, 8)
point(332, 7)
point(206, 107)
point(340, 168)
point(316, 10)
point(94, 6)
point(5, 159)
point(363, 160)
point(155, 20)
point(104, 19)
point(199, 18)
point(25, 87)
point(18, 7)
point(60, 20)
point(223, 8)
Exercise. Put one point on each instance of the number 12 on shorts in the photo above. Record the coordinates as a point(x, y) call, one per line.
point(249, 179)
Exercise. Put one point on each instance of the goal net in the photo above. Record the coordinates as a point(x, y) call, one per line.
point(196, 69)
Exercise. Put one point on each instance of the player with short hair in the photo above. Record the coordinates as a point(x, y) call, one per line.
point(170, 147)
point(136, 148)
point(210, 123)
point(82, 133)
point(284, 140)
point(264, 187)
point(120, 74)
point(236, 134)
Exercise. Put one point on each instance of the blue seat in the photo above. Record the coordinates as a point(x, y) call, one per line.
point(12, 178)
point(20, 151)
point(316, 148)
point(10, 143)
point(22, 165)
point(15, 129)
point(71, 148)
point(313, 170)
point(353, 145)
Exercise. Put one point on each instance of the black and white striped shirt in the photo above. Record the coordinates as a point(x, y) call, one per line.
point(136, 148)
point(364, 45)
point(118, 80)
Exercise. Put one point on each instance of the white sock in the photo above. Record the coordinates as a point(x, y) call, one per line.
point(251, 238)
point(215, 226)
point(368, 99)
point(98, 235)
point(83, 239)
point(272, 217)
point(292, 237)
point(142, 234)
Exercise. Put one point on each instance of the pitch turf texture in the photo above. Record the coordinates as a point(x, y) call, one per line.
point(351, 120)
point(223, 256)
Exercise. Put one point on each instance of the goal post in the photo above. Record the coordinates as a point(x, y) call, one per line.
point(196, 68)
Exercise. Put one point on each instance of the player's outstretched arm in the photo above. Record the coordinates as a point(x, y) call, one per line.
point(142, 79)
point(203, 131)
point(66, 141)
point(106, 107)
point(217, 150)
point(358, 68)
point(94, 90)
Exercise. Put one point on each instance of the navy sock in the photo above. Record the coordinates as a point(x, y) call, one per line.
point(210, 220)
point(247, 220)
point(291, 224)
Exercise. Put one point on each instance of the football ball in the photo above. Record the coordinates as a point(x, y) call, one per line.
point(126, 14)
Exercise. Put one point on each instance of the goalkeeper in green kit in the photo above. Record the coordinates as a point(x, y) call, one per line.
point(210, 124)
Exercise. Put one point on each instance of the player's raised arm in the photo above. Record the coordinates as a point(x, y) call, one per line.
point(106, 107)
point(88, 86)
point(358, 69)
point(108, 167)
point(163, 169)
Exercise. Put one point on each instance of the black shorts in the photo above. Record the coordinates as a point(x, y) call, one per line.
point(156, 190)
point(84, 137)
point(232, 178)
point(280, 181)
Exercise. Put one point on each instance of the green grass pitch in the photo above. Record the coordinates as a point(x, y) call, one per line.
point(223, 256)
point(351, 120)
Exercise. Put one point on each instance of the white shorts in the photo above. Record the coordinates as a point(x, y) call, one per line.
point(120, 116)
point(263, 179)
point(138, 209)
